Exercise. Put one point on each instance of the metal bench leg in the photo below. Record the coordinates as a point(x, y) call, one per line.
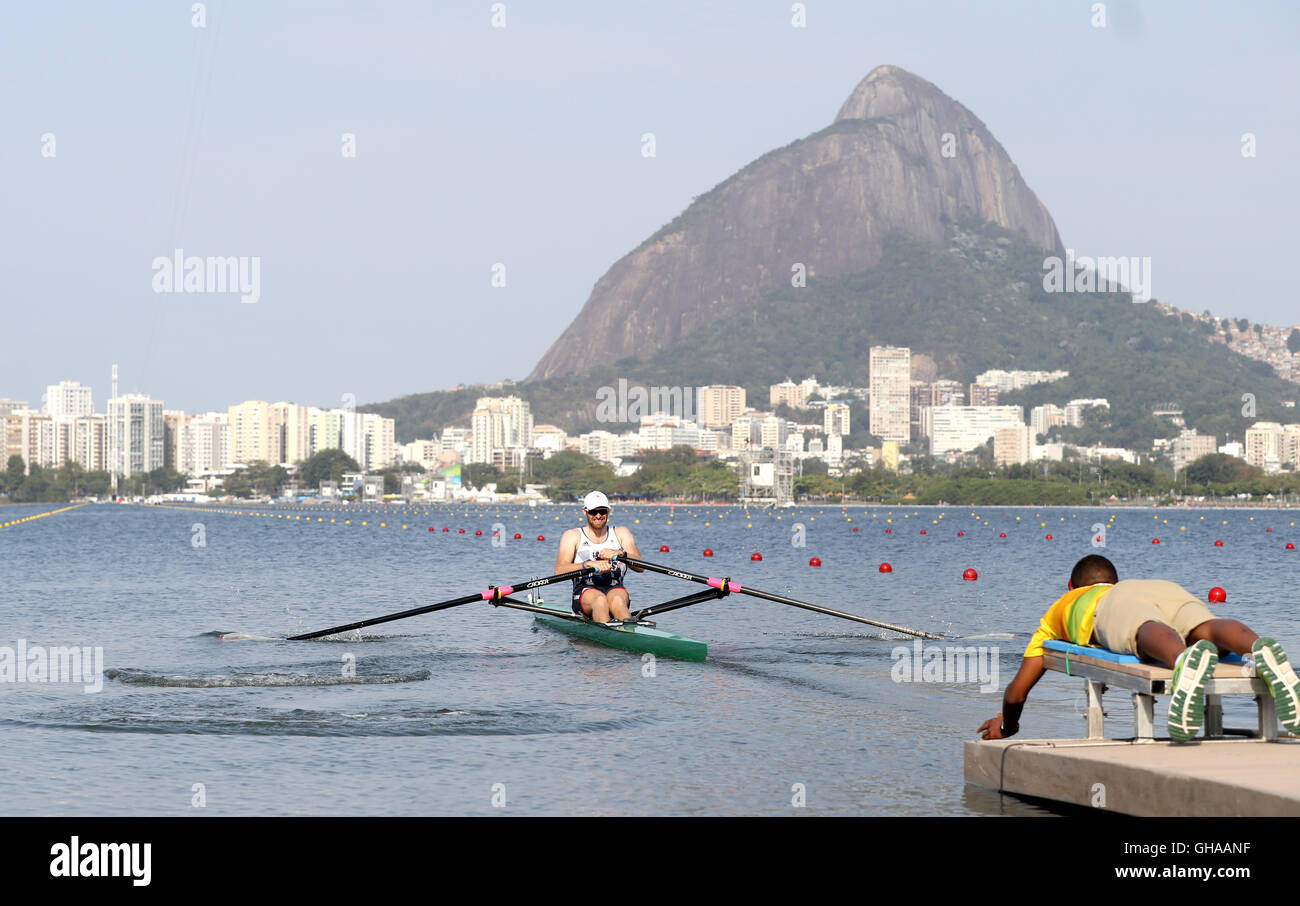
point(1096, 717)
point(1144, 714)
point(1267, 717)
point(1213, 716)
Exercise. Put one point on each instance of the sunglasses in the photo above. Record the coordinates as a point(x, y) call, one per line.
point(600, 511)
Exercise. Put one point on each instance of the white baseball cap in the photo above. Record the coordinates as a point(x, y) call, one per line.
point(595, 499)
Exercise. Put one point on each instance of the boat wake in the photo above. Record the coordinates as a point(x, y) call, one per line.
point(133, 677)
point(229, 717)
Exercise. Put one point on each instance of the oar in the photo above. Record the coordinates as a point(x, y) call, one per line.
point(495, 592)
point(727, 585)
point(687, 601)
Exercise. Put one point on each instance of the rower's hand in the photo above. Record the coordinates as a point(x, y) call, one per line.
point(992, 729)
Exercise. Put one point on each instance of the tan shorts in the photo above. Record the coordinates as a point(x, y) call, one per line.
point(1133, 602)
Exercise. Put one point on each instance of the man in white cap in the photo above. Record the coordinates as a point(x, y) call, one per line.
point(599, 596)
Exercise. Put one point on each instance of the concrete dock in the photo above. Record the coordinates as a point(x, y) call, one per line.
point(1227, 777)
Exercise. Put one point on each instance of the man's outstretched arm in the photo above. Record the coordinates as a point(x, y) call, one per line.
point(1007, 723)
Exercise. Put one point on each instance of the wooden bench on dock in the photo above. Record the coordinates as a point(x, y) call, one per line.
point(1101, 669)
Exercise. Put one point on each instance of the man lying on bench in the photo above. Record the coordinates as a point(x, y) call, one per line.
point(1156, 621)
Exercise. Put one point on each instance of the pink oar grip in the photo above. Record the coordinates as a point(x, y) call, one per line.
point(492, 593)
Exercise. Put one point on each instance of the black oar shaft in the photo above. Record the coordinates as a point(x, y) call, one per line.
point(780, 599)
point(686, 601)
point(454, 602)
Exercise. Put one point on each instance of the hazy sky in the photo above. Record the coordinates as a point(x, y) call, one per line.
point(521, 145)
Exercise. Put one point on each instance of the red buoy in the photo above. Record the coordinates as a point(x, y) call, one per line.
point(959, 534)
point(756, 556)
point(855, 528)
point(541, 537)
point(1218, 544)
point(663, 548)
point(460, 531)
point(970, 575)
point(1268, 530)
point(1002, 534)
point(430, 528)
point(1155, 540)
point(922, 531)
point(446, 529)
point(886, 568)
point(888, 530)
point(1217, 595)
point(1049, 537)
point(708, 553)
point(479, 532)
point(1290, 546)
point(518, 536)
point(815, 561)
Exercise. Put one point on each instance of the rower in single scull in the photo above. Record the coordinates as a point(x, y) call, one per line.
point(599, 596)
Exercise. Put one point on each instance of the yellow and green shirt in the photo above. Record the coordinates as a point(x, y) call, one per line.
point(1070, 618)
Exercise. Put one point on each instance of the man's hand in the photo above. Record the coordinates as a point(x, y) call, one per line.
point(993, 729)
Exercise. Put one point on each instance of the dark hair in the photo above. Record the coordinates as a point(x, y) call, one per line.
point(1092, 569)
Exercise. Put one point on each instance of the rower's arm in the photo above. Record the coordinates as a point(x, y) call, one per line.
point(568, 549)
point(629, 545)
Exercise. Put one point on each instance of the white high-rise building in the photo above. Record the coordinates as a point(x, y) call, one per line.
point(290, 426)
point(381, 444)
point(83, 440)
point(324, 429)
point(251, 438)
point(891, 400)
point(1042, 419)
point(745, 432)
point(1270, 445)
point(68, 399)
point(958, 429)
point(135, 434)
point(499, 423)
point(1190, 446)
point(368, 438)
point(203, 444)
point(773, 431)
point(834, 448)
point(835, 419)
point(607, 447)
point(663, 432)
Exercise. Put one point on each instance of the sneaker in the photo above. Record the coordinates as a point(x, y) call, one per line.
point(1187, 706)
point(1271, 665)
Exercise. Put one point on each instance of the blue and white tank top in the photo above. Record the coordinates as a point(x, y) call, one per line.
point(587, 550)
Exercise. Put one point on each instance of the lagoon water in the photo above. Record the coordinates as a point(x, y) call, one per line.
point(473, 711)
